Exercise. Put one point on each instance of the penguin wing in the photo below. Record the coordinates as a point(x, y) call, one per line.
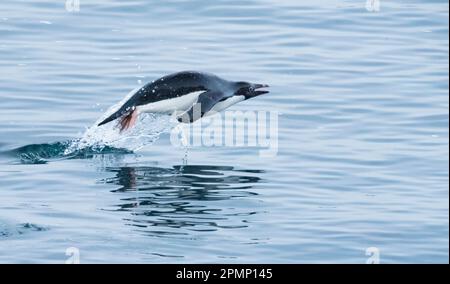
point(205, 102)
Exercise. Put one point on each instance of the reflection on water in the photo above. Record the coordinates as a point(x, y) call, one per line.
point(174, 201)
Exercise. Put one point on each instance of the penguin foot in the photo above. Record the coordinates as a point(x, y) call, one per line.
point(128, 121)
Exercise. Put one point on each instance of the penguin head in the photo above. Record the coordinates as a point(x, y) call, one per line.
point(249, 90)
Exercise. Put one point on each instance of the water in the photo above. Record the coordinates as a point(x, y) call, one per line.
point(363, 136)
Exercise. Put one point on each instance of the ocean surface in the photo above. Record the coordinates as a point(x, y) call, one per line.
point(360, 172)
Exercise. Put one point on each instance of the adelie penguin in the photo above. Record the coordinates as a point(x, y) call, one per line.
point(192, 95)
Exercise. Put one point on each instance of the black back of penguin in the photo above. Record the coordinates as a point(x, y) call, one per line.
point(177, 85)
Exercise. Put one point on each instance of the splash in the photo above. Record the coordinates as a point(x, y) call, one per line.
point(147, 130)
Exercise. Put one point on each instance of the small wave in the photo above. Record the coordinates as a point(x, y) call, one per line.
point(8, 230)
point(43, 153)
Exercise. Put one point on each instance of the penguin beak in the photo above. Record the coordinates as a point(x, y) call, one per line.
point(257, 87)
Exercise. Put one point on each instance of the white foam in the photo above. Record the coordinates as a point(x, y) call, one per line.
point(147, 130)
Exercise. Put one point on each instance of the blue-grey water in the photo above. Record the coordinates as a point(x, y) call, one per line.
point(362, 97)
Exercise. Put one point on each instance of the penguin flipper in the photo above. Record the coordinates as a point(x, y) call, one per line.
point(205, 102)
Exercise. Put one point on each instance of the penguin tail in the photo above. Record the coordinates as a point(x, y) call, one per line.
point(109, 119)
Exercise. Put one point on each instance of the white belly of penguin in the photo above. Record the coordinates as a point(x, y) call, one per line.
point(179, 104)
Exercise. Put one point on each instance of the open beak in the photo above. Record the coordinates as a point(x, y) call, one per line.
point(257, 88)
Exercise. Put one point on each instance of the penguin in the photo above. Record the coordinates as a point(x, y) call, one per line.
point(189, 94)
